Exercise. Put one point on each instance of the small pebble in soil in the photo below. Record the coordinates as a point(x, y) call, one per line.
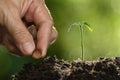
point(51, 68)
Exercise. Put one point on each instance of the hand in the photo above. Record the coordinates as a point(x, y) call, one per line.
point(16, 15)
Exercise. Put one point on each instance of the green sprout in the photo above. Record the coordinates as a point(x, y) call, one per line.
point(81, 25)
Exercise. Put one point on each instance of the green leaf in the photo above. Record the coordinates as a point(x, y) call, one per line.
point(87, 25)
point(73, 25)
point(89, 28)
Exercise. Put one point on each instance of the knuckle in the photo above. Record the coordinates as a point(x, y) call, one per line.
point(42, 1)
point(49, 23)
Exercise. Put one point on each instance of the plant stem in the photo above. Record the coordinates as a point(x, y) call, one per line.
point(82, 44)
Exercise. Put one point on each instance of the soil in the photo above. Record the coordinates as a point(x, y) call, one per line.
point(52, 68)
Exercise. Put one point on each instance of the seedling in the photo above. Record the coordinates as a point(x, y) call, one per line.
point(81, 25)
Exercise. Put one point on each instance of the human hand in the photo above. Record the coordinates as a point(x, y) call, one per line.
point(14, 34)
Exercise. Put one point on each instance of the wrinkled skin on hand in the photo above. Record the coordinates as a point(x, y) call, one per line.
point(26, 27)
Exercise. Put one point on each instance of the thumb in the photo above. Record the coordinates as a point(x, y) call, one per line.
point(21, 36)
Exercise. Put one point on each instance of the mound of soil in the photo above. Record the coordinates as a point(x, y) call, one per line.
point(51, 68)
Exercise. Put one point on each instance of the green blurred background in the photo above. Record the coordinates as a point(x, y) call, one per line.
point(104, 41)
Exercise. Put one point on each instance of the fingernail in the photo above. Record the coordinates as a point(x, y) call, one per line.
point(28, 48)
point(53, 41)
point(37, 54)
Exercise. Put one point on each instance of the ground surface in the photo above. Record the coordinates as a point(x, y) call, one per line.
point(53, 69)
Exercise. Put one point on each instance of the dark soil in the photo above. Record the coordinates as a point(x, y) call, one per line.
point(53, 69)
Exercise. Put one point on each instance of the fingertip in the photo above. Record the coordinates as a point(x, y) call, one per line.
point(37, 54)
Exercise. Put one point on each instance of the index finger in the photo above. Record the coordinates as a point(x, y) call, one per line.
point(44, 23)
